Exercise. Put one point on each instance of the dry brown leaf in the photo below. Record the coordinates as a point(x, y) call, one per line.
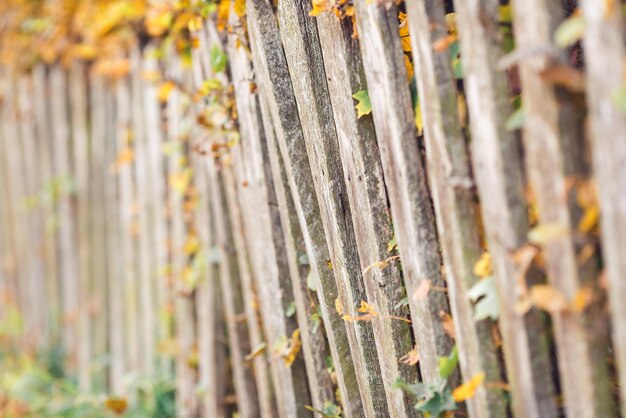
point(422, 290)
point(447, 323)
point(411, 358)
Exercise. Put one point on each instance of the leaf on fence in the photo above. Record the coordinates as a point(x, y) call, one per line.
point(338, 306)
point(516, 120)
point(422, 290)
point(483, 267)
point(545, 233)
point(582, 299)
point(256, 351)
point(293, 348)
point(467, 389)
point(444, 43)
point(364, 106)
point(116, 405)
point(485, 295)
point(392, 244)
point(449, 363)
point(411, 358)
point(570, 31)
point(164, 90)
point(218, 59)
point(368, 309)
point(447, 323)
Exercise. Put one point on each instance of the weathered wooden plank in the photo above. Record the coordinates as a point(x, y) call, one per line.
point(98, 290)
point(11, 189)
point(366, 192)
point(314, 344)
point(604, 61)
point(33, 279)
point(157, 202)
point(498, 171)
point(550, 139)
point(252, 182)
point(44, 146)
point(178, 172)
point(454, 201)
point(115, 279)
point(261, 363)
point(405, 177)
point(67, 245)
point(240, 333)
point(273, 81)
point(144, 218)
point(81, 158)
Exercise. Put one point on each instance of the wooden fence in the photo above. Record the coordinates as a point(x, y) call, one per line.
point(311, 256)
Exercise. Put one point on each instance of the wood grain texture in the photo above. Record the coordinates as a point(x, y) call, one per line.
point(550, 141)
point(275, 86)
point(80, 153)
point(498, 169)
point(604, 60)
point(405, 177)
point(251, 303)
point(371, 219)
point(252, 182)
point(454, 201)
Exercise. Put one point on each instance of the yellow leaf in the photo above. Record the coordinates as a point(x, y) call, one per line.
point(582, 299)
point(180, 180)
point(548, 298)
point(366, 308)
point(256, 351)
point(467, 389)
point(293, 349)
point(409, 67)
point(191, 245)
point(338, 306)
point(319, 7)
point(158, 23)
point(419, 123)
point(114, 68)
point(116, 405)
point(444, 43)
point(403, 29)
point(483, 267)
point(589, 219)
point(545, 233)
point(164, 91)
point(151, 75)
point(125, 157)
point(240, 7)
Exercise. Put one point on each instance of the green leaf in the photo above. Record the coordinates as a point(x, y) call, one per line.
point(363, 107)
point(291, 309)
point(392, 245)
point(218, 59)
point(449, 363)
point(402, 303)
point(515, 120)
point(570, 31)
point(619, 98)
point(485, 295)
point(311, 281)
point(437, 404)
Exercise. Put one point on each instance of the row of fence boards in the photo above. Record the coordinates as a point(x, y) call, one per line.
point(403, 184)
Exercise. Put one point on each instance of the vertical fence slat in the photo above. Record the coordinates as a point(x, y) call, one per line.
point(116, 278)
point(405, 176)
point(98, 268)
point(80, 153)
point(551, 165)
point(366, 192)
point(454, 201)
point(271, 68)
point(44, 147)
point(604, 59)
point(34, 324)
point(497, 165)
point(234, 307)
point(264, 236)
point(67, 247)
